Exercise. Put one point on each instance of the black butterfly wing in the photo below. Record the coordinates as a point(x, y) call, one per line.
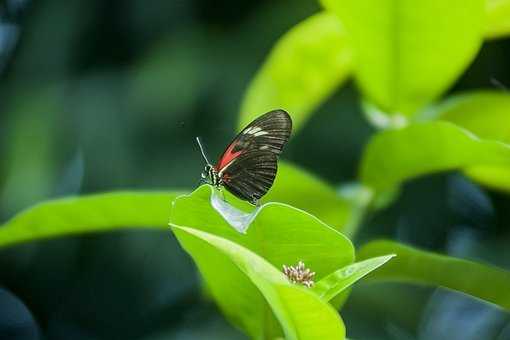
point(251, 174)
point(269, 132)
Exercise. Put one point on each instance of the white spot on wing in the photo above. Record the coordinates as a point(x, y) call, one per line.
point(254, 130)
point(260, 133)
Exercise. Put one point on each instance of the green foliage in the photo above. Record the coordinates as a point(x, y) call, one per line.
point(494, 124)
point(302, 314)
point(104, 212)
point(408, 52)
point(86, 214)
point(404, 55)
point(464, 110)
point(247, 265)
point(279, 233)
point(394, 156)
point(311, 195)
point(498, 18)
point(336, 282)
point(416, 266)
point(302, 70)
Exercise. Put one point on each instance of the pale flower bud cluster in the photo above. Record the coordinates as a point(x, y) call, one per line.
point(299, 274)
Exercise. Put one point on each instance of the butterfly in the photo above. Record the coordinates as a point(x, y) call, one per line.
point(247, 167)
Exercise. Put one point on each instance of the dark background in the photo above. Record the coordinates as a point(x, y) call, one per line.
point(105, 95)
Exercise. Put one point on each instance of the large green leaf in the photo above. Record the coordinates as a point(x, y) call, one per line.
point(394, 156)
point(416, 266)
point(304, 67)
point(279, 233)
point(86, 214)
point(408, 52)
point(486, 114)
point(303, 190)
point(498, 18)
point(336, 282)
point(301, 313)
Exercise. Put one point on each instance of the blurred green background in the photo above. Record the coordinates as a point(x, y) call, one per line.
point(106, 95)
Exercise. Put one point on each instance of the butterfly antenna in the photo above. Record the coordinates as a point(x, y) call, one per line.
point(202, 151)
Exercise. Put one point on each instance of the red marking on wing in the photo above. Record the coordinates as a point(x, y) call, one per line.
point(228, 156)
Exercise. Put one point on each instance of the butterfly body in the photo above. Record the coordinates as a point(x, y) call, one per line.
point(247, 167)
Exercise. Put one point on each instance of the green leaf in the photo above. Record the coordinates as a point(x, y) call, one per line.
point(86, 214)
point(409, 52)
point(486, 114)
point(279, 233)
point(300, 312)
point(498, 18)
point(394, 156)
point(303, 190)
point(421, 267)
point(495, 177)
point(304, 67)
point(336, 282)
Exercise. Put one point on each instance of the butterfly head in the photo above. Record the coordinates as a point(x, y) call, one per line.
point(210, 175)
